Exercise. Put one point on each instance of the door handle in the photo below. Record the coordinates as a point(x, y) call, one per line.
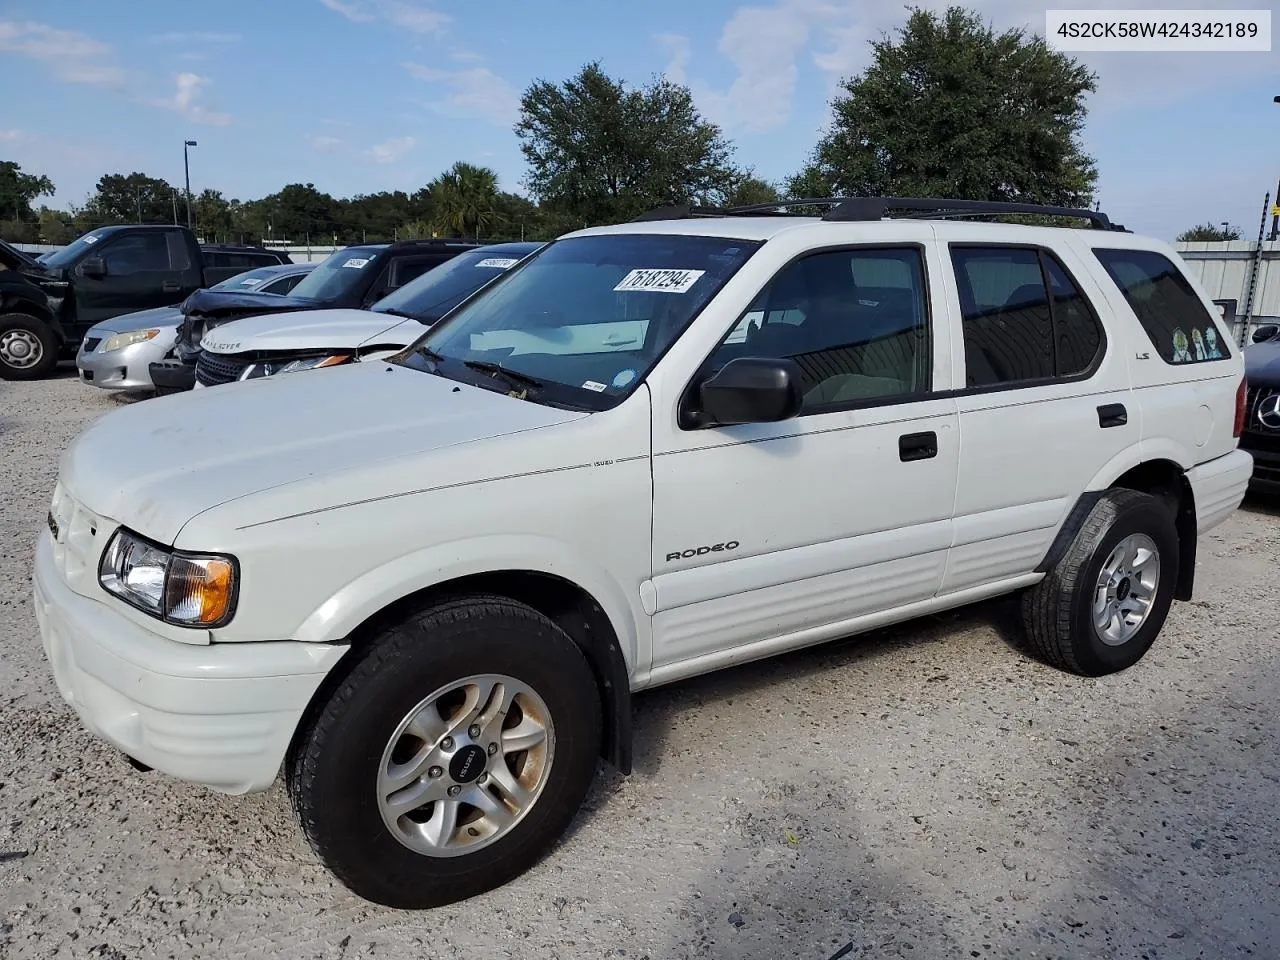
point(1112, 415)
point(171, 286)
point(917, 446)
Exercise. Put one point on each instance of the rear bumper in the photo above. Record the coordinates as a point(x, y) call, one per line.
point(221, 715)
point(1219, 487)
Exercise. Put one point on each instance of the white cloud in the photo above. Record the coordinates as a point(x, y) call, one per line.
point(766, 44)
point(465, 56)
point(392, 150)
point(475, 91)
point(195, 37)
point(416, 19)
point(677, 67)
point(352, 11)
point(188, 92)
point(71, 56)
point(11, 136)
point(405, 14)
point(323, 144)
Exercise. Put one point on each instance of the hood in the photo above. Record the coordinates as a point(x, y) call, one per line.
point(1262, 363)
point(153, 466)
point(140, 320)
point(313, 329)
point(225, 304)
point(16, 259)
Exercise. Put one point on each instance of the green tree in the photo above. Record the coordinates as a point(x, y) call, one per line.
point(949, 108)
point(1210, 232)
point(56, 226)
point(298, 213)
point(599, 152)
point(212, 216)
point(465, 199)
point(132, 198)
point(748, 190)
point(18, 190)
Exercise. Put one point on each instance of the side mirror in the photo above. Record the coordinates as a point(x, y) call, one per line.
point(750, 390)
point(95, 268)
point(1265, 332)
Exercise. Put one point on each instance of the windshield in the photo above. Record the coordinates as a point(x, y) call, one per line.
point(72, 251)
point(432, 295)
point(248, 281)
point(581, 322)
point(336, 275)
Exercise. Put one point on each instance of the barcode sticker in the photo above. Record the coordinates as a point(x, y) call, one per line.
point(659, 281)
point(499, 262)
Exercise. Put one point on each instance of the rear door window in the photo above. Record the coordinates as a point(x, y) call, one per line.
point(1174, 318)
point(1025, 322)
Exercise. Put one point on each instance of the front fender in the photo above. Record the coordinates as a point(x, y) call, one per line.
point(377, 589)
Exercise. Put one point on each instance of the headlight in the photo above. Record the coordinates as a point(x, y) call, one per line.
point(122, 340)
point(188, 589)
point(269, 368)
point(312, 363)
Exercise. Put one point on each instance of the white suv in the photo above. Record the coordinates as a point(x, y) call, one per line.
point(428, 587)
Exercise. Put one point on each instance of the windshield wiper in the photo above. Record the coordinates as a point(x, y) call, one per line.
point(428, 354)
point(397, 313)
point(513, 377)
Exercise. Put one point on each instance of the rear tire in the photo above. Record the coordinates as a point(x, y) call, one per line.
point(416, 723)
point(1102, 604)
point(28, 348)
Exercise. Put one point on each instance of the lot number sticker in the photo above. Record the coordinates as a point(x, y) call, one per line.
point(659, 281)
point(499, 262)
point(356, 263)
point(251, 282)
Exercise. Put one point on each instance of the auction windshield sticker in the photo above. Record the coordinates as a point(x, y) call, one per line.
point(356, 263)
point(659, 281)
point(499, 262)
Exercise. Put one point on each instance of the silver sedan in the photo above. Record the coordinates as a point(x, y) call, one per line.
point(116, 354)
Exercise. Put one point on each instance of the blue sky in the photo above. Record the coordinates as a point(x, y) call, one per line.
point(364, 95)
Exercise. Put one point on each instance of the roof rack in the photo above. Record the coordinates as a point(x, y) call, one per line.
point(859, 209)
point(875, 208)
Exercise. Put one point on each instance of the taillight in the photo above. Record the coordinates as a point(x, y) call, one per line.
point(1242, 393)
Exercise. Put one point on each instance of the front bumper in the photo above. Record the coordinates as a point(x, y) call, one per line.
point(127, 369)
point(1265, 450)
point(221, 715)
point(172, 376)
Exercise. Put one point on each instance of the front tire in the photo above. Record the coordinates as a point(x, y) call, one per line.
point(451, 757)
point(28, 348)
point(1102, 604)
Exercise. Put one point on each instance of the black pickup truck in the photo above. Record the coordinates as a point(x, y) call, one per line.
point(353, 277)
point(47, 305)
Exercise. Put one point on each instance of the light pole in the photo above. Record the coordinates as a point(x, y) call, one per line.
point(186, 169)
point(1275, 217)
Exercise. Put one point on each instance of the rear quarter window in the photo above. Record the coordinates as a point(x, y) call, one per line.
point(1174, 318)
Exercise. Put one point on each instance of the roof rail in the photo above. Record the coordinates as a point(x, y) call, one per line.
point(848, 209)
point(875, 208)
point(680, 211)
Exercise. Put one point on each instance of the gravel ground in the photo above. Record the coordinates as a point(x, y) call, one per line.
point(922, 792)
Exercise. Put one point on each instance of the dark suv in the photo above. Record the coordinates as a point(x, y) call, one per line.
point(355, 276)
point(1261, 436)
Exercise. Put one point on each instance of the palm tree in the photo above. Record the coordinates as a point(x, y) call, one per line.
point(465, 198)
